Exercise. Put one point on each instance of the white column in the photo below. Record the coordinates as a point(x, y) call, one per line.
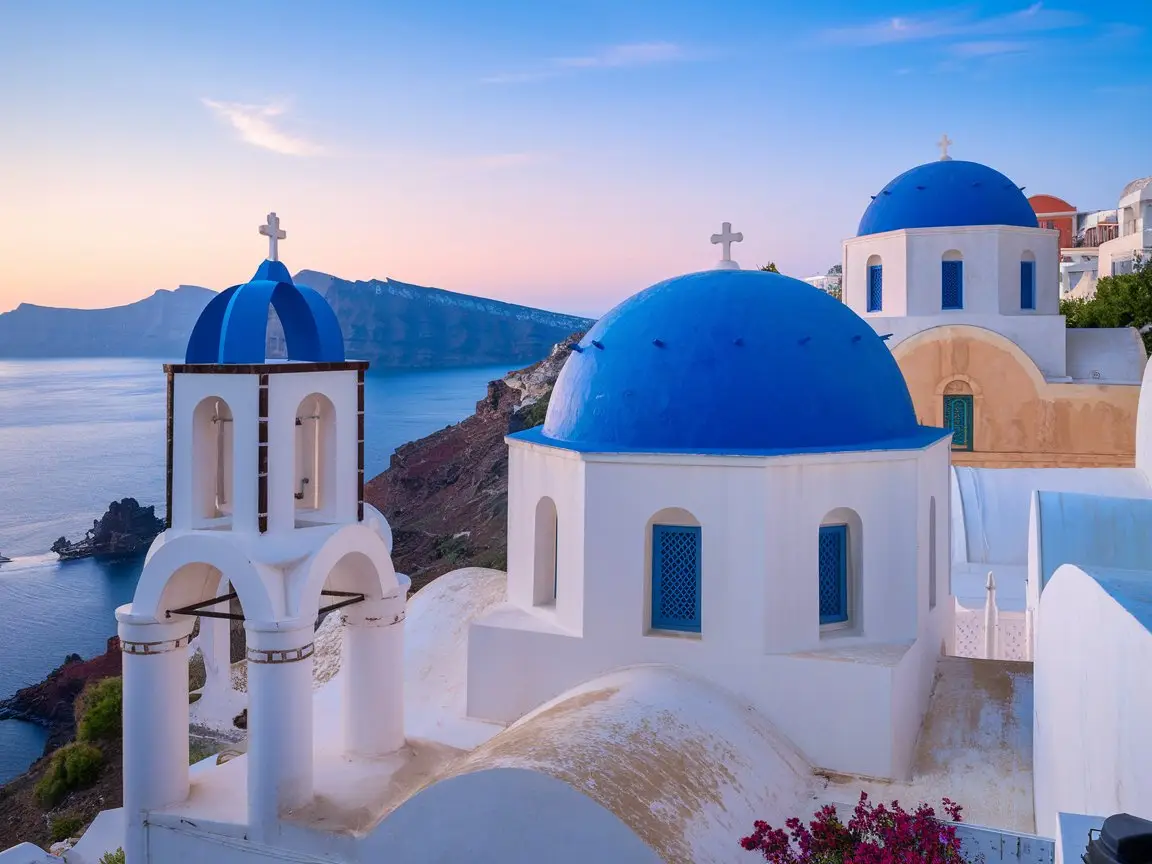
point(279, 720)
point(373, 671)
point(155, 671)
point(215, 642)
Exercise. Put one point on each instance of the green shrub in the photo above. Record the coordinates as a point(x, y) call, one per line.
point(73, 766)
point(200, 749)
point(98, 710)
point(116, 857)
point(65, 826)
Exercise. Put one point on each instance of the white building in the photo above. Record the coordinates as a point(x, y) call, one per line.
point(727, 599)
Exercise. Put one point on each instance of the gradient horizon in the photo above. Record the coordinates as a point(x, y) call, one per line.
point(561, 156)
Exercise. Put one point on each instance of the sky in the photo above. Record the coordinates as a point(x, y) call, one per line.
point(563, 154)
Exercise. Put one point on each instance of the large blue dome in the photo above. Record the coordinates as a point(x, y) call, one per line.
point(233, 328)
point(945, 194)
point(732, 361)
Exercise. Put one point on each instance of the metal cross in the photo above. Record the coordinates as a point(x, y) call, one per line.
point(943, 144)
point(272, 231)
point(727, 238)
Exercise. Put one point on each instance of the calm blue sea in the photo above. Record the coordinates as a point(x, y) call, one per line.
point(77, 434)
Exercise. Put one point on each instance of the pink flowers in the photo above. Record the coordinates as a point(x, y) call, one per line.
point(876, 834)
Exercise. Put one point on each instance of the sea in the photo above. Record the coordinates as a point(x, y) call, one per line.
point(77, 434)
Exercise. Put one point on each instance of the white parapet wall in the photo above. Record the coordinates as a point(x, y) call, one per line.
point(1093, 652)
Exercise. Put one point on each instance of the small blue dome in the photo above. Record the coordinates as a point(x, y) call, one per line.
point(947, 194)
point(734, 361)
point(233, 328)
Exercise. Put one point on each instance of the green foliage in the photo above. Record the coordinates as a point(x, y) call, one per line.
point(1120, 301)
point(496, 559)
point(98, 710)
point(199, 750)
point(116, 857)
point(534, 414)
point(65, 826)
point(452, 549)
point(770, 267)
point(74, 766)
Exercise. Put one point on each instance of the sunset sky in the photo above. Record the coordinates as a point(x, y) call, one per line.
point(562, 154)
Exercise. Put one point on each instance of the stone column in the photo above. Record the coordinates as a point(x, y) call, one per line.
point(279, 720)
point(373, 671)
point(155, 676)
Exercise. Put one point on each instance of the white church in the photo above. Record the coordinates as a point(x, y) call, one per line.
point(728, 598)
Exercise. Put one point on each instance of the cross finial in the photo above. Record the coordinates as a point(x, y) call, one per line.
point(726, 238)
point(943, 144)
point(272, 231)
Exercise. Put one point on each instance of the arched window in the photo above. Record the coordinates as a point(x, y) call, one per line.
point(1028, 281)
point(212, 442)
point(545, 557)
point(952, 280)
point(315, 480)
point(676, 577)
point(838, 575)
point(932, 552)
point(959, 414)
point(875, 284)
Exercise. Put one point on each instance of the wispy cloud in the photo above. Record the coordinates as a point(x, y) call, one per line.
point(954, 24)
point(612, 57)
point(637, 54)
point(258, 125)
point(990, 48)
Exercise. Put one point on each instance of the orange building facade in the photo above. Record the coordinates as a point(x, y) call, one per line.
point(1053, 212)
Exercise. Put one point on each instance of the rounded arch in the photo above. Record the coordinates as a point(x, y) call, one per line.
point(1028, 255)
point(955, 333)
point(545, 553)
point(375, 520)
point(370, 568)
point(952, 255)
point(213, 444)
point(674, 567)
point(314, 486)
point(187, 569)
point(874, 260)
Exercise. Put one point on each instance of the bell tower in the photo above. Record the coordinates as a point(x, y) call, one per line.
point(265, 493)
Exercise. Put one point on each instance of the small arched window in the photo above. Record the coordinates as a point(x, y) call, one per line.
point(1028, 281)
point(952, 280)
point(315, 480)
point(839, 578)
point(959, 414)
point(212, 436)
point(676, 582)
point(545, 577)
point(875, 274)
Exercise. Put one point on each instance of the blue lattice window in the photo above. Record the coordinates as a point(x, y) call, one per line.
point(958, 418)
point(1027, 284)
point(951, 284)
point(875, 288)
point(833, 574)
point(676, 578)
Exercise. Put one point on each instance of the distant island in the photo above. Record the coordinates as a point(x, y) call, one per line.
point(125, 529)
point(394, 325)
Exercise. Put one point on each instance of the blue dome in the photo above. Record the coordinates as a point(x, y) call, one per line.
point(947, 194)
point(734, 361)
point(233, 328)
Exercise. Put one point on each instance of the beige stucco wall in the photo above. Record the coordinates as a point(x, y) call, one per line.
point(1019, 418)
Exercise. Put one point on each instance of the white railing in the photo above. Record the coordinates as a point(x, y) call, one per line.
point(990, 633)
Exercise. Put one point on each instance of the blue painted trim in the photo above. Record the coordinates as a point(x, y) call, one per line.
point(924, 436)
point(951, 270)
point(659, 532)
point(876, 288)
point(840, 532)
point(1027, 284)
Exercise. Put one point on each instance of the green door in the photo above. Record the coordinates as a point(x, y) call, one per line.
point(958, 418)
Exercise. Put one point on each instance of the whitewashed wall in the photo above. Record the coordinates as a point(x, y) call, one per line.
point(1091, 743)
point(760, 633)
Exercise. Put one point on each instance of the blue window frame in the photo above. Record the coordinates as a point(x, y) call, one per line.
point(676, 578)
point(833, 574)
point(875, 288)
point(951, 284)
point(958, 418)
point(1027, 284)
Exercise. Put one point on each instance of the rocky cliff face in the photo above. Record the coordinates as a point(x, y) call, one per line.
point(157, 326)
point(446, 496)
point(397, 325)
